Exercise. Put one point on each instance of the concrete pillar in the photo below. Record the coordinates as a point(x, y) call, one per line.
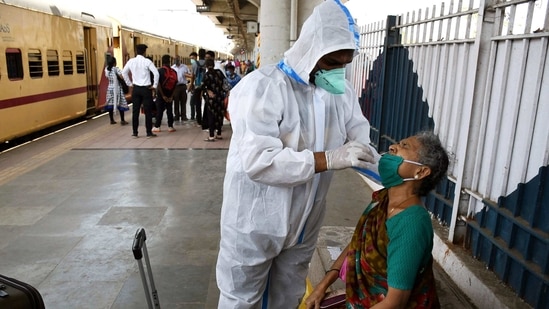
point(275, 26)
point(305, 8)
point(275, 30)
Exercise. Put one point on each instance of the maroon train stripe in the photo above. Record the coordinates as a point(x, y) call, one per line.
point(40, 97)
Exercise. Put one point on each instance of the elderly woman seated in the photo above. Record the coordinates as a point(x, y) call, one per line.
point(388, 263)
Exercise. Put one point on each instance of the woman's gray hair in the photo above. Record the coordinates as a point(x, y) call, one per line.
point(435, 157)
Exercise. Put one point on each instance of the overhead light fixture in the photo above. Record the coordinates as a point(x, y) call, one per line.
point(202, 8)
point(251, 27)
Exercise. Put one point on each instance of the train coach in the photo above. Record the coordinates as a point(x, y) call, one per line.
point(52, 63)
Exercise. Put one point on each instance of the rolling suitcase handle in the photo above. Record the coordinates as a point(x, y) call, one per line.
point(139, 249)
point(19, 294)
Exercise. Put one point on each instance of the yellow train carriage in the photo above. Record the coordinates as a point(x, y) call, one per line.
point(52, 63)
point(49, 68)
point(183, 50)
point(157, 46)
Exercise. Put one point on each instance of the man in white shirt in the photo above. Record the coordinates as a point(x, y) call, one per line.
point(142, 88)
point(180, 93)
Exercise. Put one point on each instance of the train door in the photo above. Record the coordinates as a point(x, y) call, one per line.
point(90, 41)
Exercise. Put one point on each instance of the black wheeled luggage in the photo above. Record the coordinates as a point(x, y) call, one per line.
point(139, 249)
point(15, 294)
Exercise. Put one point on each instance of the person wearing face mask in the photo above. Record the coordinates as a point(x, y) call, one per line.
point(197, 74)
point(388, 263)
point(214, 93)
point(294, 123)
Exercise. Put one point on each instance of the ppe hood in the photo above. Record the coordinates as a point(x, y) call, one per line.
point(329, 28)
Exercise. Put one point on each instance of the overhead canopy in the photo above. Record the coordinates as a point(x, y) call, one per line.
point(237, 18)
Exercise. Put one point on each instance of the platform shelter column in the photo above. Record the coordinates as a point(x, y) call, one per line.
point(278, 30)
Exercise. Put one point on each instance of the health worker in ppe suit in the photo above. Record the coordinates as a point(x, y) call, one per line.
point(290, 123)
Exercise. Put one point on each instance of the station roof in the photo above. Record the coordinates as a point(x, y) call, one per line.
point(237, 18)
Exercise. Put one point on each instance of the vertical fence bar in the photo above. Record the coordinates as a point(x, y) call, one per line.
point(472, 109)
point(516, 111)
point(391, 38)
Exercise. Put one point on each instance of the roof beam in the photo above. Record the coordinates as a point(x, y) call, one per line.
point(230, 14)
point(255, 3)
point(233, 4)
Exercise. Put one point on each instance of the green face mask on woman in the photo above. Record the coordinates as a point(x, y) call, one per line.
point(332, 81)
point(388, 170)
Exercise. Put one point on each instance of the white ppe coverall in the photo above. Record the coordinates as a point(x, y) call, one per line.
point(273, 202)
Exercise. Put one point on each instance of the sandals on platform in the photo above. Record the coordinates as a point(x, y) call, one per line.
point(210, 139)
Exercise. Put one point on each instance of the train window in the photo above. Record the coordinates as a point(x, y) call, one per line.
point(14, 63)
point(35, 63)
point(53, 63)
point(80, 63)
point(67, 62)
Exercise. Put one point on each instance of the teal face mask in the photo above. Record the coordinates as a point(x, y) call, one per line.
point(332, 81)
point(193, 61)
point(388, 170)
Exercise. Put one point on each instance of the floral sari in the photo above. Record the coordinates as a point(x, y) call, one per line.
point(366, 277)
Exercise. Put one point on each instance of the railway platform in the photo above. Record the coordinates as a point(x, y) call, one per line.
point(72, 201)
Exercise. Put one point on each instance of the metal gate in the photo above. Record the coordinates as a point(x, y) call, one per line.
point(476, 73)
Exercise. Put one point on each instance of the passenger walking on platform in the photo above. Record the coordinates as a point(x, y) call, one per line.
point(143, 88)
point(237, 66)
point(232, 77)
point(293, 124)
point(180, 93)
point(243, 67)
point(249, 67)
point(389, 261)
point(198, 70)
point(205, 122)
point(115, 96)
point(165, 93)
point(214, 93)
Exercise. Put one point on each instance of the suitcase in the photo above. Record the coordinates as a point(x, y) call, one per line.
point(15, 294)
point(139, 249)
point(334, 299)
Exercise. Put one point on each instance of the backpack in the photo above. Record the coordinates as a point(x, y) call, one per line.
point(170, 79)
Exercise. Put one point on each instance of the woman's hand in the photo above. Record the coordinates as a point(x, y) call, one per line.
point(313, 301)
point(319, 292)
point(211, 94)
